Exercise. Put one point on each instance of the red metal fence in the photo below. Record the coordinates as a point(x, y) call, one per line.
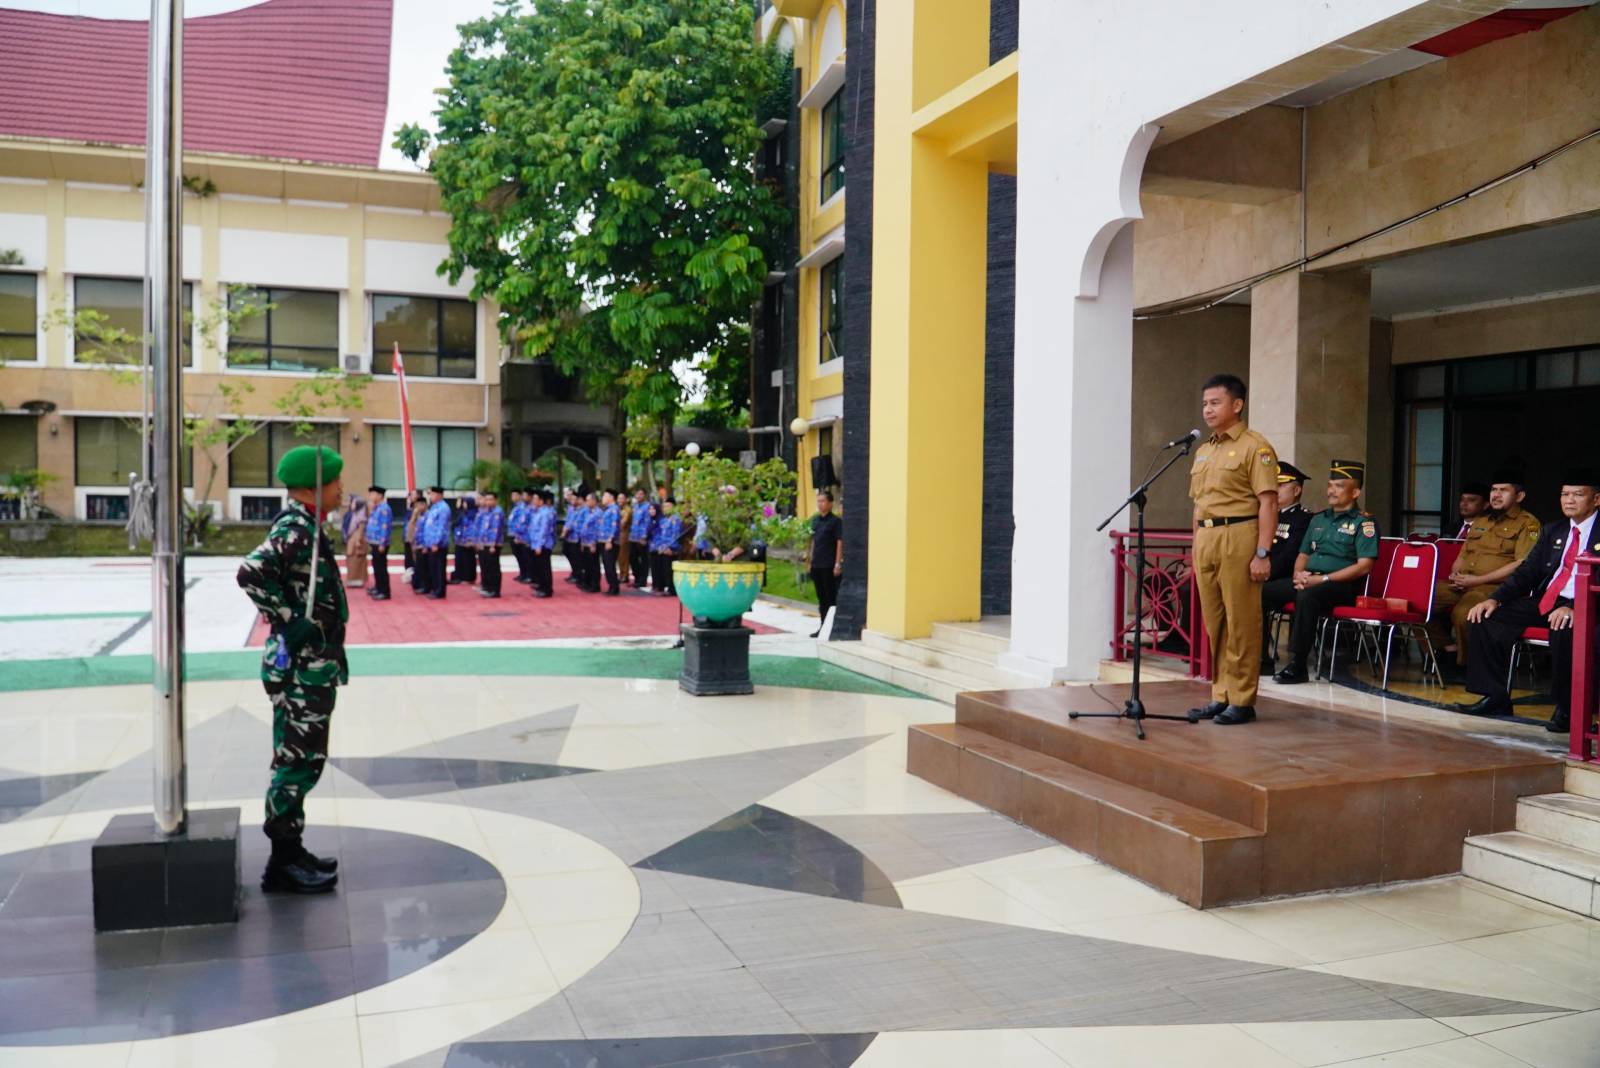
point(1171, 627)
point(1585, 670)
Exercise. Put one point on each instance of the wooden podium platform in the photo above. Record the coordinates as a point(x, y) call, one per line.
point(1301, 800)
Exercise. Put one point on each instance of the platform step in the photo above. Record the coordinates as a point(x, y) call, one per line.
point(987, 637)
point(1583, 780)
point(1569, 819)
point(937, 683)
point(1557, 874)
point(947, 656)
point(1197, 856)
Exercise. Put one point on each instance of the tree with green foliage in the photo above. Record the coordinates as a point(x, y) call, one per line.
point(597, 162)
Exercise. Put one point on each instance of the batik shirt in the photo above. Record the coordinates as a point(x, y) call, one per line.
point(587, 521)
point(608, 522)
point(464, 531)
point(517, 521)
point(490, 528)
point(434, 528)
point(379, 524)
point(668, 531)
point(542, 528)
point(276, 576)
point(643, 520)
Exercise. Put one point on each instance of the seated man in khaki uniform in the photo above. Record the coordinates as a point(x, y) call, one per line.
point(1495, 544)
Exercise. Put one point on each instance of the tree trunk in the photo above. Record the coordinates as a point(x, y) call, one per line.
point(667, 453)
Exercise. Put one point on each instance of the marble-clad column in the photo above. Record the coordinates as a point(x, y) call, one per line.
point(1310, 336)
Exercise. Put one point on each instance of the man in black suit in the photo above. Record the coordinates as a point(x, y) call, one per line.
point(1538, 593)
point(1293, 519)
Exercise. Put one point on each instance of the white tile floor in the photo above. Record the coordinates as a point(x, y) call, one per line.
point(572, 902)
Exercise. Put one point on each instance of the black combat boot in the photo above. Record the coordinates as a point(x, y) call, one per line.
point(291, 870)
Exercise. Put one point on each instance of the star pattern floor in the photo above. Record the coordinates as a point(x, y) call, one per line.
point(604, 871)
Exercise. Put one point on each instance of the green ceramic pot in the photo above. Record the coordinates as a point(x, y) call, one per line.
point(714, 591)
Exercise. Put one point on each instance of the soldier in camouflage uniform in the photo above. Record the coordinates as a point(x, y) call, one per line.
point(304, 658)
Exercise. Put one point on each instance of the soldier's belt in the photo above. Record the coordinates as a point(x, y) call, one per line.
point(1227, 520)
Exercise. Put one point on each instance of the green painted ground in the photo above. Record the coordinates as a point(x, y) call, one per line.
point(766, 670)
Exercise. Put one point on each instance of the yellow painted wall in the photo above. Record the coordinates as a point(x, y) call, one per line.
point(928, 279)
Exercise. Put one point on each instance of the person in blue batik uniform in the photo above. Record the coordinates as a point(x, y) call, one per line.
point(639, 538)
point(542, 542)
point(433, 543)
point(463, 533)
point(380, 526)
point(664, 547)
point(588, 551)
point(606, 527)
point(517, 534)
point(488, 531)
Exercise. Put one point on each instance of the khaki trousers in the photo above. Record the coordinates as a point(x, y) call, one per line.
point(356, 561)
point(1231, 603)
point(1446, 601)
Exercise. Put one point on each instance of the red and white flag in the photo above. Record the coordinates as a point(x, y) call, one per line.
point(405, 422)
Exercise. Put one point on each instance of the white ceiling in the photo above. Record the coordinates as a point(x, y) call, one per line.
point(1529, 263)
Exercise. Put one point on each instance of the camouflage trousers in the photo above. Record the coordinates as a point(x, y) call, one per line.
point(300, 719)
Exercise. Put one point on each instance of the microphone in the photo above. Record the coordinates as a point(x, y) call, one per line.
point(1188, 439)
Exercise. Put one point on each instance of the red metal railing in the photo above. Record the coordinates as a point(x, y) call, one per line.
point(1171, 627)
point(1585, 670)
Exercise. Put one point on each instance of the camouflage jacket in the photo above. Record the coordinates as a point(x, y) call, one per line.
point(275, 576)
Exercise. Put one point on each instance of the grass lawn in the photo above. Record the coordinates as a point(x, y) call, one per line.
point(781, 583)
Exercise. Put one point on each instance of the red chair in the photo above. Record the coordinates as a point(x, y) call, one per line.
point(1531, 637)
point(1376, 578)
point(1449, 550)
point(1410, 577)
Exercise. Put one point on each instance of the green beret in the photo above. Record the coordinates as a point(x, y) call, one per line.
point(297, 469)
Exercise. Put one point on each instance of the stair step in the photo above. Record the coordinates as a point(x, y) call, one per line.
point(1569, 819)
point(1536, 867)
point(946, 656)
point(1583, 779)
point(937, 683)
point(972, 636)
point(1200, 857)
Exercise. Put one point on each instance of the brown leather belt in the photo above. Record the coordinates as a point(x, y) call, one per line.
point(1227, 520)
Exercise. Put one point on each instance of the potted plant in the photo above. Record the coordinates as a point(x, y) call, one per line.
point(732, 499)
point(729, 499)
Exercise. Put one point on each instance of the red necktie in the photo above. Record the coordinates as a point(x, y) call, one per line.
point(1559, 583)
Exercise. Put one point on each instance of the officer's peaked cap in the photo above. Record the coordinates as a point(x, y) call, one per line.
point(1288, 472)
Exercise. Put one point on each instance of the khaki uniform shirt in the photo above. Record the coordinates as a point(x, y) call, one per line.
point(1495, 541)
point(1230, 470)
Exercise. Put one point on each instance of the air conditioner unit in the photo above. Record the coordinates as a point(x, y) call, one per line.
point(357, 363)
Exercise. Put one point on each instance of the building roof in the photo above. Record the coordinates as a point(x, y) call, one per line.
point(285, 79)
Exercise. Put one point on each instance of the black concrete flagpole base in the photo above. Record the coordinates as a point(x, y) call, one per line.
point(144, 879)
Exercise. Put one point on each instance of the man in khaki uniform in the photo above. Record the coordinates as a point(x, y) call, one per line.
point(1234, 484)
point(1496, 542)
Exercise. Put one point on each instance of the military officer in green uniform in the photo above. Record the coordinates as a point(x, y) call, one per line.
point(1336, 555)
point(293, 579)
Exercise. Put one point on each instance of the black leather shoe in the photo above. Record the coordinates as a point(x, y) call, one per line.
point(1207, 711)
point(540, 593)
point(328, 865)
point(1489, 706)
point(380, 597)
point(1560, 723)
point(1236, 714)
point(296, 877)
point(1292, 675)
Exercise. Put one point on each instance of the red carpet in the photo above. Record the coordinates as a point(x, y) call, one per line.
point(463, 616)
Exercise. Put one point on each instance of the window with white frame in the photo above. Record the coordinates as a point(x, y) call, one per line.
point(296, 330)
point(444, 455)
point(831, 320)
point(438, 337)
point(19, 317)
point(253, 463)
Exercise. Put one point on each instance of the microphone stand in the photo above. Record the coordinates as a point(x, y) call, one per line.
point(1133, 708)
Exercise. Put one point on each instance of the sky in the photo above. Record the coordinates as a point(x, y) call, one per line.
point(424, 34)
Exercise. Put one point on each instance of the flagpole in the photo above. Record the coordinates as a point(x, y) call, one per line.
point(405, 423)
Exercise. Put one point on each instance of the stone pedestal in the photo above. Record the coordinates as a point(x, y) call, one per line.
point(143, 879)
point(716, 659)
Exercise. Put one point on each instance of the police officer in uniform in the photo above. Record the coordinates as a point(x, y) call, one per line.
point(293, 579)
point(1496, 542)
point(1338, 552)
point(1234, 484)
point(1293, 518)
